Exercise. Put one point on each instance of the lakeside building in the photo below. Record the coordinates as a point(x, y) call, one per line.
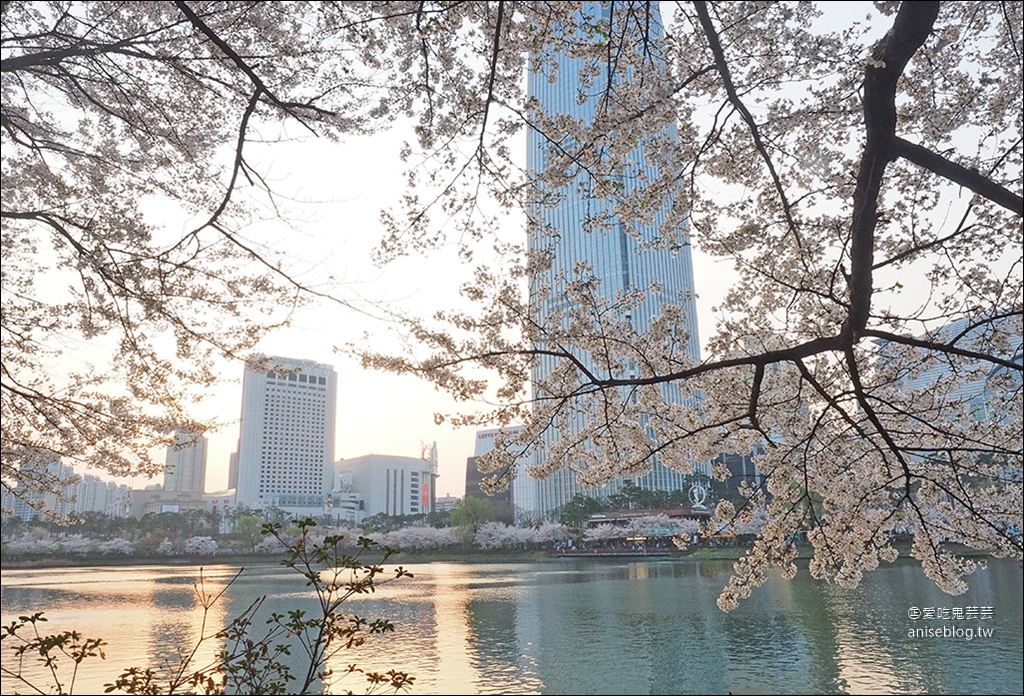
point(384, 483)
point(576, 231)
point(221, 503)
point(445, 503)
point(185, 462)
point(154, 501)
point(286, 437)
point(504, 510)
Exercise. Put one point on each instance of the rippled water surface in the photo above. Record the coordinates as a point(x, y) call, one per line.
point(580, 627)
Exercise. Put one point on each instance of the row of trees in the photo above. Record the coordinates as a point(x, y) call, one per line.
point(487, 536)
point(184, 523)
point(473, 528)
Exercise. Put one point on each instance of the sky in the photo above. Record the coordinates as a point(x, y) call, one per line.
point(331, 225)
point(332, 195)
point(336, 193)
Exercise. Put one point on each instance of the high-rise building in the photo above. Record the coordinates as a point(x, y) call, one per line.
point(576, 230)
point(501, 500)
point(964, 385)
point(54, 489)
point(67, 493)
point(285, 452)
point(185, 463)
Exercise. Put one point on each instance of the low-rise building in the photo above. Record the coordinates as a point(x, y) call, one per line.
point(383, 483)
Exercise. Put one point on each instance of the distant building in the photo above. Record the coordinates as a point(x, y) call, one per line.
point(233, 470)
point(388, 484)
point(503, 503)
point(286, 438)
point(92, 494)
point(445, 503)
point(221, 503)
point(155, 501)
point(957, 380)
point(68, 493)
point(57, 479)
point(743, 472)
point(346, 503)
point(185, 463)
point(958, 389)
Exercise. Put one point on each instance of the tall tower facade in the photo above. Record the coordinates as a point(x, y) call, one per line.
point(577, 230)
point(185, 463)
point(285, 449)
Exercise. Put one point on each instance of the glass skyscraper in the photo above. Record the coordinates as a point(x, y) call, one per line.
point(577, 230)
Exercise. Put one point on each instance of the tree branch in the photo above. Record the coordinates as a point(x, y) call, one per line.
point(889, 57)
point(968, 178)
point(947, 348)
point(734, 99)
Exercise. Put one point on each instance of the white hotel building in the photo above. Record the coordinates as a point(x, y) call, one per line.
point(285, 451)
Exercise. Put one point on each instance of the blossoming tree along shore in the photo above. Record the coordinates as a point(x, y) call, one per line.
point(863, 176)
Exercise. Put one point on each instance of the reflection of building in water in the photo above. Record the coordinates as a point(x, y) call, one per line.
point(634, 627)
point(852, 631)
point(576, 627)
point(453, 642)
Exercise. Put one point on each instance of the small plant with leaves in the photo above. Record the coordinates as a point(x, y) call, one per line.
point(51, 651)
point(335, 576)
point(291, 654)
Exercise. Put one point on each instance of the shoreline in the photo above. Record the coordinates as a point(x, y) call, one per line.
point(402, 558)
point(718, 553)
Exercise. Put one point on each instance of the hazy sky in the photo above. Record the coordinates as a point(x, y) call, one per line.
point(338, 191)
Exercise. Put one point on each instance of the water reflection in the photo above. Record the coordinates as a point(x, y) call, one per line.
point(575, 626)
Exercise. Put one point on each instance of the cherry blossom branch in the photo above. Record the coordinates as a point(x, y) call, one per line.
point(492, 76)
point(755, 133)
point(241, 64)
point(889, 57)
point(949, 348)
point(968, 178)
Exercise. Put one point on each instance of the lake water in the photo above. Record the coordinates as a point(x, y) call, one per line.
point(583, 626)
